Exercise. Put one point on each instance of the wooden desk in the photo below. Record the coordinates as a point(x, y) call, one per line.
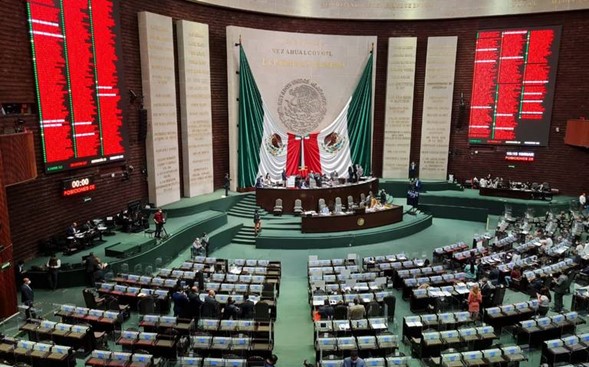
point(266, 197)
point(516, 194)
point(351, 222)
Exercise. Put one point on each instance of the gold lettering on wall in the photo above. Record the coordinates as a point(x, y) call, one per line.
point(399, 106)
point(437, 107)
point(195, 106)
point(159, 89)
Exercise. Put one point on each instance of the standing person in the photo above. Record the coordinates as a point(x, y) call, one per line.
point(413, 170)
point(205, 243)
point(582, 202)
point(19, 273)
point(92, 265)
point(226, 183)
point(159, 220)
point(210, 307)
point(257, 222)
point(284, 177)
point(53, 265)
point(350, 174)
point(180, 300)
point(474, 302)
point(356, 311)
point(247, 308)
point(561, 287)
point(27, 296)
point(194, 304)
point(353, 360)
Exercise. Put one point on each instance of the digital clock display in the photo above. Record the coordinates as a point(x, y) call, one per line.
point(78, 185)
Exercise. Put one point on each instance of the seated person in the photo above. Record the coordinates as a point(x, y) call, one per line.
point(197, 248)
point(325, 210)
point(471, 270)
point(91, 232)
point(231, 311)
point(72, 230)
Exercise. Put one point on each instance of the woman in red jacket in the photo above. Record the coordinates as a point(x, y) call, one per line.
point(474, 302)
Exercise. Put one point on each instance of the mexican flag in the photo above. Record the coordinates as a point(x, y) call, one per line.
point(265, 148)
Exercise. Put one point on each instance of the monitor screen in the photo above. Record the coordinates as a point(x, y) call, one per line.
point(77, 62)
point(513, 86)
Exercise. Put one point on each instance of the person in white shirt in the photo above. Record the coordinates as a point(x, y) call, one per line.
point(582, 201)
point(196, 248)
point(53, 265)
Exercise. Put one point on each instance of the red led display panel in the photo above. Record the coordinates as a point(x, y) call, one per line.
point(513, 86)
point(76, 59)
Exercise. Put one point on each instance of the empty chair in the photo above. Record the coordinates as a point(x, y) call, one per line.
point(338, 205)
point(262, 311)
point(138, 269)
point(298, 207)
point(278, 207)
point(321, 204)
point(91, 299)
point(146, 305)
point(350, 202)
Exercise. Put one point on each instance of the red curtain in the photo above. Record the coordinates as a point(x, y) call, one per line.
point(293, 155)
point(312, 157)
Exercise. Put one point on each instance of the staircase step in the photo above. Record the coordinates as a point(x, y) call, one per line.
point(244, 242)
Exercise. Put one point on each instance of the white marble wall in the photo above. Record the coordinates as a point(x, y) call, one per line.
point(159, 89)
point(194, 74)
point(437, 107)
point(399, 107)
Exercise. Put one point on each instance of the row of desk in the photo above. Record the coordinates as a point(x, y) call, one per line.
point(75, 336)
point(432, 343)
point(36, 354)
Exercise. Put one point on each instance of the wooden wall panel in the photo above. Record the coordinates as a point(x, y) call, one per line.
point(53, 213)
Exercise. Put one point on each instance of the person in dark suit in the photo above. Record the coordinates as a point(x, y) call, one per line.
point(226, 183)
point(194, 304)
point(247, 307)
point(19, 273)
point(231, 311)
point(27, 296)
point(92, 265)
point(210, 308)
point(284, 177)
point(180, 300)
point(326, 311)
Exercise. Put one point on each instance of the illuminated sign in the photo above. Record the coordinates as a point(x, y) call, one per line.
point(76, 62)
point(520, 156)
point(513, 86)
point(79, 185)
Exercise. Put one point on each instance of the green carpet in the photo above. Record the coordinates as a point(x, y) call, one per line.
point(293, 328)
